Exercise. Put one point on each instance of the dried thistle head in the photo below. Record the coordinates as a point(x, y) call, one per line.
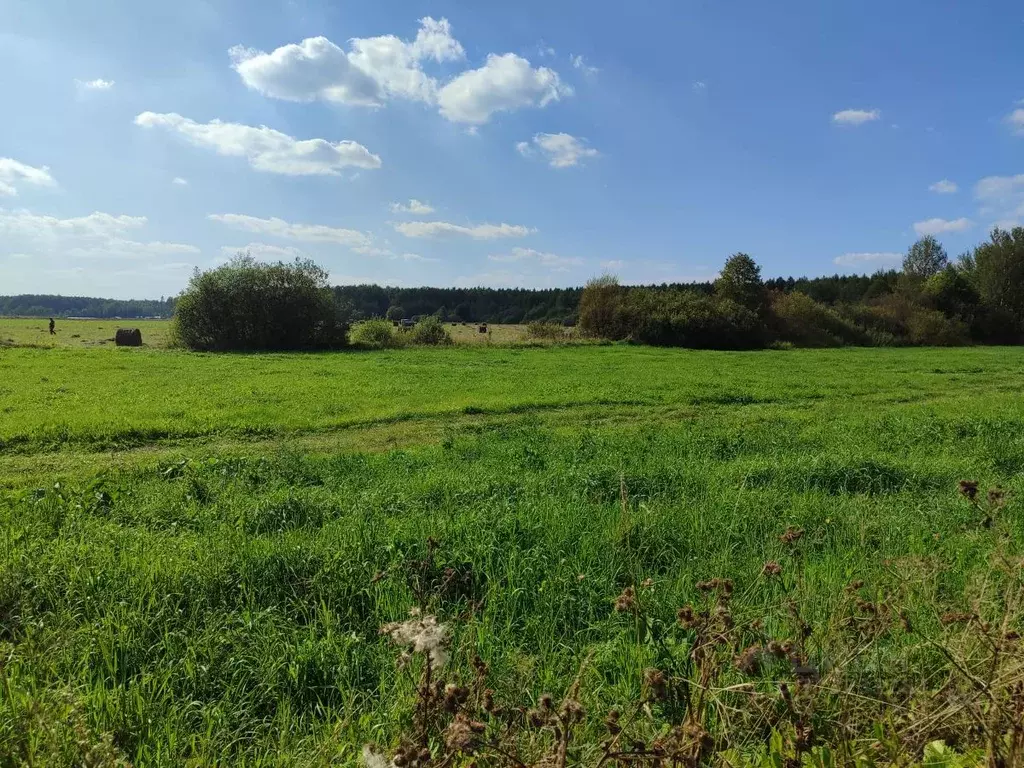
point(626, 602)
point(463, 734)
point(656, 684)
point(969, 489)
point(996, 497)
point(421, 635)
point(771, 568)
point(792, 535)
point(749, 662)
point(687, 617)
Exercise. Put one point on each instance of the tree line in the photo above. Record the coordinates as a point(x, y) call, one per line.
point(31, 305)
point(930, 301)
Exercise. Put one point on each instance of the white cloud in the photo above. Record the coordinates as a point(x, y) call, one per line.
point(547, 260)
point(1002, 198)
point(699, 86)
point(264, 148)
point(580, 63)
point(440, 229)
point(613, 264)
point(95, 236)
point(856, 116)
point(561, 150)
point(414, 206)
point(99, 84)
point(944, 187)
point(1016, 121)
point(12, 172)
point(866, 259)
point(373, 71)
point(942, 226)
point(307, 233)
point(178, 181)
point(505, 83)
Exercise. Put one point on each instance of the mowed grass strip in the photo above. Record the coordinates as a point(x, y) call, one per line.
point(115, 398)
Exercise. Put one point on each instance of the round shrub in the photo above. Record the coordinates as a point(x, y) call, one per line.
point(246, 305)
point(430, 331)
point(377, 334)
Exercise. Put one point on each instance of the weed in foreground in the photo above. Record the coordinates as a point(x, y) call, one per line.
point(724, 689)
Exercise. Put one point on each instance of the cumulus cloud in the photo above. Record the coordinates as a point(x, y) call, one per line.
point(373, 71)
point(561, 150)
point(99, 84)
point(856, 116)
point(578, 62)
point(942, 226)
point(505, 83)
point(307, 233)
point(1016, 121)
point(944, 187)
point(867, 259)
point(1002, 198)
point(547, 260)
point(264, 148)
point(97, 235)
point(414, 206)
point(442, 229)
point(12, 172)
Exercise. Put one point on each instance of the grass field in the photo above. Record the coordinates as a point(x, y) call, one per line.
point(84, 334)
point(198, 551)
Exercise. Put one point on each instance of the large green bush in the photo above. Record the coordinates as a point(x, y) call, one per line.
point(246, 305)
point(377, 334)
point(798, 318)
point(430, 331)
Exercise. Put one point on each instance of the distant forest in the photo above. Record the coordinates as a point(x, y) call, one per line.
point(491, 305)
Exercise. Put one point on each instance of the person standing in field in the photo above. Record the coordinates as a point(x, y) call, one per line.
point(52, 325)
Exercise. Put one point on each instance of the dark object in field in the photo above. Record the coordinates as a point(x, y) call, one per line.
point(482, 328)
point(52, 324)
point(128, 337)
point(395, 323)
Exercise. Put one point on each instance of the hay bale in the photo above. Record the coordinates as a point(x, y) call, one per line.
point(128, 337)
point(482, 328)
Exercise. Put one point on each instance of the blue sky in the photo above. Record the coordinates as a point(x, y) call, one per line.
point(534, 143)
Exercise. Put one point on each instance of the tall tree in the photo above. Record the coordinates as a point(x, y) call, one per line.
point(740, 281)
point(999, 271)
point(925, 258)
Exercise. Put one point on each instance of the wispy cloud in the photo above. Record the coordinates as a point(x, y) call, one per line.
point(856, 116)
point(944, 187)
point(942, 226)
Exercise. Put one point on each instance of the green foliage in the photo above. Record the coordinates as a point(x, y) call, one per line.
point(430, 331)
point(952, 293)
point(924, 259)
point(377, 334)
point(395, 313)
point(546, 331)
point(999, 272)
point(246, 305)
point(803, 321)
point(686, 319)
point(932, 328)
point(600, 309)
point(740, 282)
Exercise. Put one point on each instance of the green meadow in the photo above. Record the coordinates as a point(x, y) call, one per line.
point(197, 552)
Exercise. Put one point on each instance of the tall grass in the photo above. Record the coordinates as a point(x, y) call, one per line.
point(222, 602)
